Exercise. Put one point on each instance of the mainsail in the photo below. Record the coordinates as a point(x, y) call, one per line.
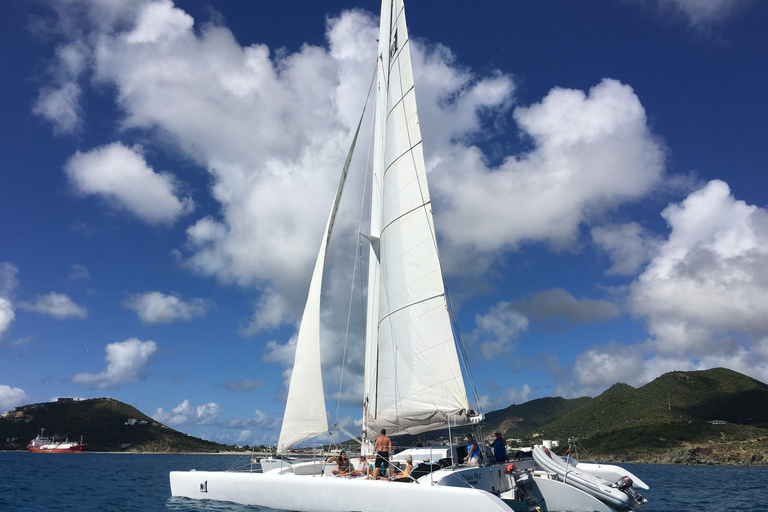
point(413, 380)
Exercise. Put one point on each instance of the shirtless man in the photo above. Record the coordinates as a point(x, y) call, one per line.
point(382, 448)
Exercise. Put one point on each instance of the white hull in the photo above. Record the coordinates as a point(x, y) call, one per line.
point(327, 494)
point(479, 489)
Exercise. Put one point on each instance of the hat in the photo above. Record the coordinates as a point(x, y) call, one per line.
point(498, 431)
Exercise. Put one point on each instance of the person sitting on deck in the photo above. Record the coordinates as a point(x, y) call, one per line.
point(343, 465)
point(362, 468)
point(406, 473)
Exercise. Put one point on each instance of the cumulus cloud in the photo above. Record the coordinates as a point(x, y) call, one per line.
point(272, 128)
point(187, 414)
point(703, 297)
point(497, 329)
point(11, 397)
point(158, 308)
point(126, 362)
point(592, 152)
point(629, 246)
point(709, 277)
point(121, 176)
point(57, 305)
point(259, 421)
point(503, 323)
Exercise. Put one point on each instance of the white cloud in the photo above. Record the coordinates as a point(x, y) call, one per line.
point(57, 305)
point(60, 103)
point(187, 414)
point(160, 21)
point(158, 308)
point(126, 362)
point(709, 277)
point(600, 367)
point(505, 398)
point(704, 297)
point(8, 279)
point(259, 421)
point(272, 129)
point(61, 107)
point(498, 328)
point(591, 153)
point(121, 175)
point(7, 315)
point(629, 246)
point(11, 397)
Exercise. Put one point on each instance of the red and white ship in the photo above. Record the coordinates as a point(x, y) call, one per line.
point(51, 445)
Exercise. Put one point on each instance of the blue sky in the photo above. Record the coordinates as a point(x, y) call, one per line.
point(598, 174)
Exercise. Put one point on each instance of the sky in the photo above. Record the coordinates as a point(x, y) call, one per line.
point(597, 170)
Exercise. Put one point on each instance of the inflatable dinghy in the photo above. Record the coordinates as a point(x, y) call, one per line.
point(620, 495)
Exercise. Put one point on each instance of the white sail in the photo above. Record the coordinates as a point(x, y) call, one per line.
point(413, 377)
point(304, 415)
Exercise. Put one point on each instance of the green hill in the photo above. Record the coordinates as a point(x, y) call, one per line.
point(517, 420)
point(105, 424)
point(673, 414)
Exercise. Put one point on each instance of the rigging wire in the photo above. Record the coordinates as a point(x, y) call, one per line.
point(462, 348)
point(354, 271)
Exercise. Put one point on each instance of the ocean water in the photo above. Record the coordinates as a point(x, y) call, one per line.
point(129, 482)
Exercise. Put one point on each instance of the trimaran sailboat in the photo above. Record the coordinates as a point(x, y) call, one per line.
point(413, 379)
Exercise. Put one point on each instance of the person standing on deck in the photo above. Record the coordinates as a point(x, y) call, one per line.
point(382, 448)
point(499, 448)
point(473, 452)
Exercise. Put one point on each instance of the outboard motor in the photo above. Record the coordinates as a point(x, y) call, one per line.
point(624, 484)
point(524, 483)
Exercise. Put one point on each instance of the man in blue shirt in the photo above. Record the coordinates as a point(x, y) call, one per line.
point(499, 448)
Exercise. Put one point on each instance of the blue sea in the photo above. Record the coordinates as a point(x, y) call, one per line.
point(130, 482)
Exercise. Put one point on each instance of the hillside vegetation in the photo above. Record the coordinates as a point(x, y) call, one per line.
point(103, 424)
point(667, 420)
